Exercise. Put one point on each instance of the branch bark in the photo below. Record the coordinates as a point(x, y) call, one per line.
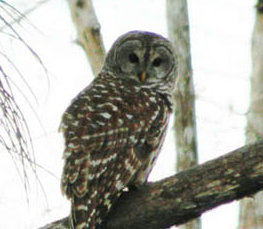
point(186, 195)
point(88, 28)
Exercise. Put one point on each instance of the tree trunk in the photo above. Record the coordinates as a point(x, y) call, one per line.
point(185, 124)
point(88, 28)
point(251, 210)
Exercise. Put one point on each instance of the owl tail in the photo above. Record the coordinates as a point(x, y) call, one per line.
point(83, 214)
point(91, 212)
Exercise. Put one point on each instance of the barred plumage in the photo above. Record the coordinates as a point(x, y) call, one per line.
point(115, 127)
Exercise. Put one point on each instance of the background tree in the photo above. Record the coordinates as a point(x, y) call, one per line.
point(184, 116)
point(89, 35)
point(251, 209)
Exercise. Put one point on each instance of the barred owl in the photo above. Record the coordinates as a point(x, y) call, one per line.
point(115, 127)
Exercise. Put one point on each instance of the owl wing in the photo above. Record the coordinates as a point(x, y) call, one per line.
point(94, 154)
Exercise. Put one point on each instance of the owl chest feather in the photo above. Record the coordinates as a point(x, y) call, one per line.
point(130, 106)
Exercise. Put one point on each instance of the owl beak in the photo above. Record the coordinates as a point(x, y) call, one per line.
point(143, 76)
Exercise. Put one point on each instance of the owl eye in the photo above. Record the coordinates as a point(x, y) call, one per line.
point(157, 62)
point(133, 58)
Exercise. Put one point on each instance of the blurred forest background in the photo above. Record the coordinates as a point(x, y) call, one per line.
point(43, 65)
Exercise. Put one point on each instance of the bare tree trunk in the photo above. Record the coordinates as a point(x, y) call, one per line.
point(88, 28)
point(185, 125)
point(251, 210)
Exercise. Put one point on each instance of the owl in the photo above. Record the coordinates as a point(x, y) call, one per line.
point(114, 128)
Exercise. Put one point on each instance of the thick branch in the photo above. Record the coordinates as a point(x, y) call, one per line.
point(88, 28)
point(186, 195)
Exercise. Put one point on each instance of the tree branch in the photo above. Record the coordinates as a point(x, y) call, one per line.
point(186, 195)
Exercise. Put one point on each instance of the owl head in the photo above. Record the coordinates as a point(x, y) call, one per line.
point(143, 58)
